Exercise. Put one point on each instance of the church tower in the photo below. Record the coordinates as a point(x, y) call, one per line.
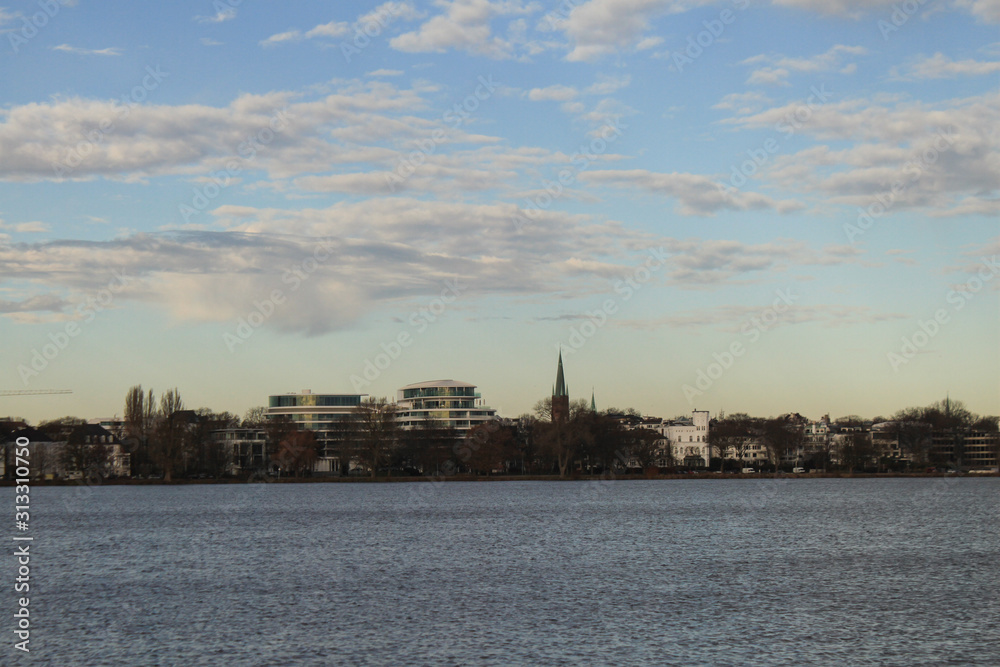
point(560, 395)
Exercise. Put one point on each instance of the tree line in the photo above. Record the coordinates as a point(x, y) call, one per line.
point(909, 433)
point(165, 439)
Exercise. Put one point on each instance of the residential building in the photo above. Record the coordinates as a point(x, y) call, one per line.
point(445, 403)
point(326, 415)
point(686, 438)
point(246, 448)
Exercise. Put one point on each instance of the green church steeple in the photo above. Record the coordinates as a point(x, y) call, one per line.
point(560, 389)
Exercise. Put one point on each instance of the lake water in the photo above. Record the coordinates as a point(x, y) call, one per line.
point(664, 572)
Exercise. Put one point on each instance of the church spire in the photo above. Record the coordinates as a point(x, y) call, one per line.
point(560, 388)
point(593, 404)
point(560, 395)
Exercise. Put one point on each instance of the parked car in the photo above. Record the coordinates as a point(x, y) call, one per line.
point(798, 471)
point(748, 471)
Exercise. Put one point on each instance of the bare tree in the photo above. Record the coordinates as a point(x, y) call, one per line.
point(736, 432)
point(780, 436)
point(297, 452)
point(275, 431)
point(59, 430)
point(168, 442)
point(642, 446)
point(255, 417)
point(374, 436)
point(487, 447)
point(79, 455)
point(564, 440)
point(543, 409)
point(856, 451)
point(140, 413)
point(732, 432)
point(428, 446)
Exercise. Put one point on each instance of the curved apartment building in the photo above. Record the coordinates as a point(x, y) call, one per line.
point(444, 402)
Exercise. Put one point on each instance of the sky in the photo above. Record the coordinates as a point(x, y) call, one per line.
point(740, 205)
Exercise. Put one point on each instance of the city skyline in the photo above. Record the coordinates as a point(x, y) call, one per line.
point(765, 207)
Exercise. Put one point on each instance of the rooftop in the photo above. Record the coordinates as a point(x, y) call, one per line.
point(438, 383)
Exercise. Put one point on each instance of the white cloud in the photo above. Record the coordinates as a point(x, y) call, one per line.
point(33, 227)
point(556, 93)
point(110, 51)
point(370, 255)
point(464, 25)
point(385, 72)
point(987, 11)
point(331, 29)
point(606, 85)
point(602, 27)
point(852, 8)
point(210, 42)
point(7, 16)
point(780, 67)
point(946, 155)
point(375, 253)
point(648, 43)
point(281, 37)
point(743, 103)
point(225, 14)
point(939, 66)
point(696, 194)
point(42, 141)
point(769, 76)
point(732, 318)
point(372, 23)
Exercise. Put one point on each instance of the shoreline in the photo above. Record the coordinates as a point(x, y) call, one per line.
point(494, 478)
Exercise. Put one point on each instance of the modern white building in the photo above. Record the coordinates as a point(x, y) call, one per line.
point(445, 403)
point(326, 415)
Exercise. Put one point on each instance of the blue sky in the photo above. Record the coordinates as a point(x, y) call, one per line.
point(742, 206)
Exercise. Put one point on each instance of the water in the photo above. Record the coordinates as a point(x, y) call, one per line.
point(666, 572)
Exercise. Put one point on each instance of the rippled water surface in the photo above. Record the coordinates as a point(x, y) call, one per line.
point(666, 572)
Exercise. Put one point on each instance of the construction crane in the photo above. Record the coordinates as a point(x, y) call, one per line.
point(34, 392)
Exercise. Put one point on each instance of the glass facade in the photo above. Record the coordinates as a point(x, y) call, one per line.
point(446, 403)
point(326, 415)
point(429, 392)
point(318, 400)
